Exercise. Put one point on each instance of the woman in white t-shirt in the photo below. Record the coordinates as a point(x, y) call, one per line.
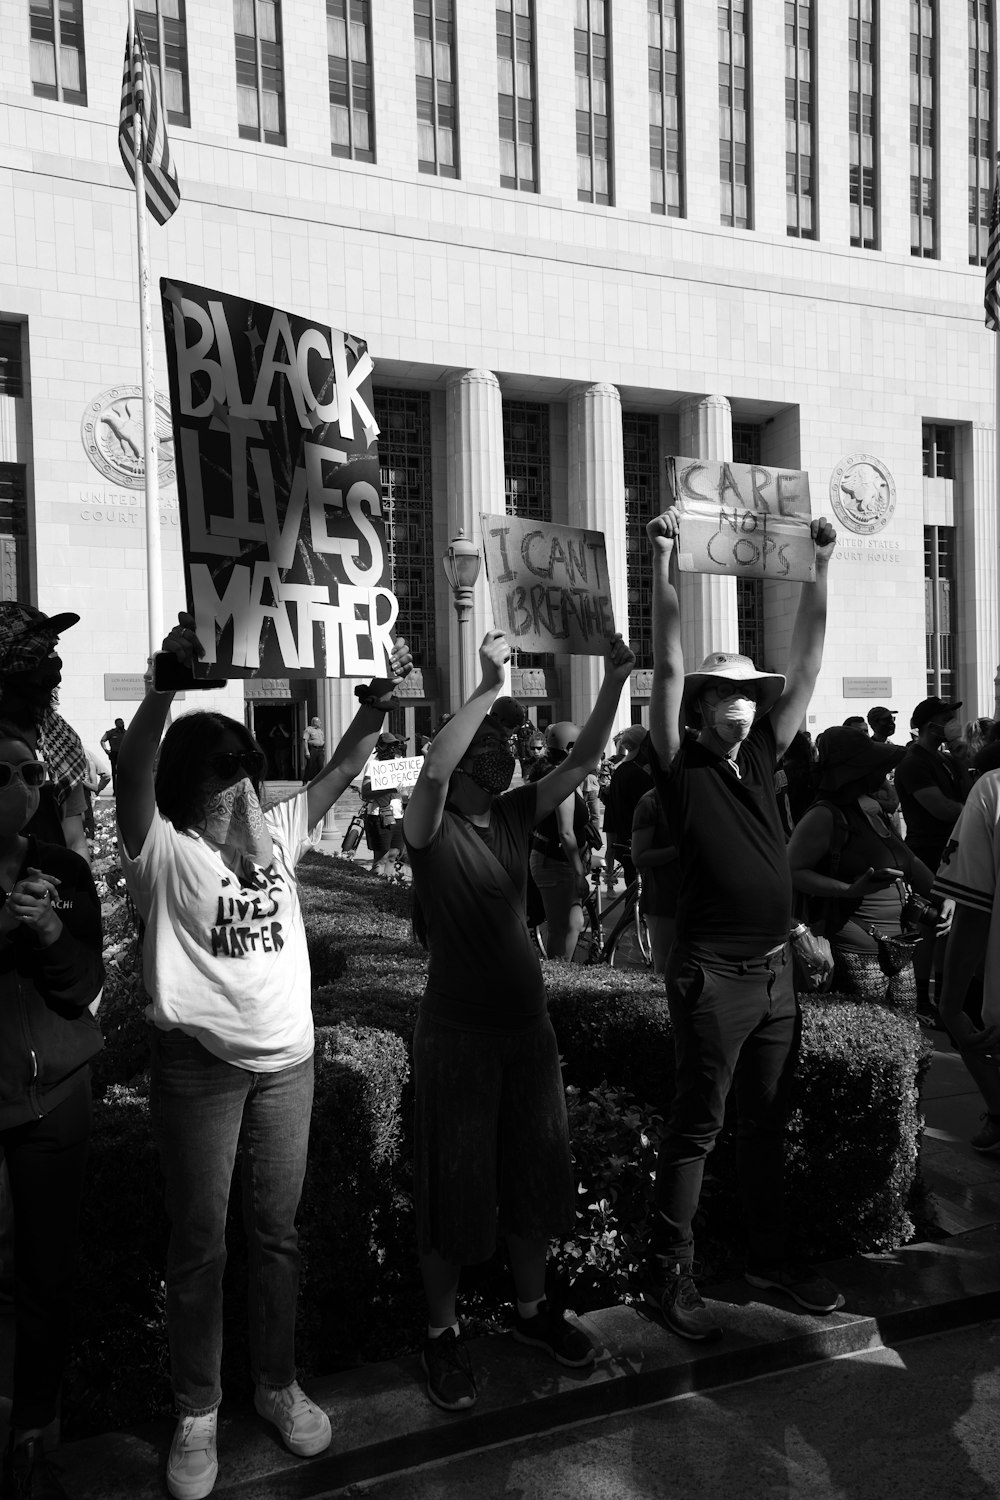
point(227, 971)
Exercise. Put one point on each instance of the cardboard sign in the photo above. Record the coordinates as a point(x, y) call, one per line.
point(285, 556)
point(549, 585)
point(742, 519)
point(388, 775)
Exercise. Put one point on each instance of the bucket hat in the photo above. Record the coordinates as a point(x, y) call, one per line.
point(729, 666)
point(847, 755)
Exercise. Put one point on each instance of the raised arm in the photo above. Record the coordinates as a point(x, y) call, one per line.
point(358, 740)
point(425, 809)
point(808, 635)
point(135, 803)
point(585, 755)
point(667, 692)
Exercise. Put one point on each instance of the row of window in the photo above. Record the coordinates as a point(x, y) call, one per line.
point(58, 71)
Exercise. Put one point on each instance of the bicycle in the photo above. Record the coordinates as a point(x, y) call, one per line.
point(627, 945)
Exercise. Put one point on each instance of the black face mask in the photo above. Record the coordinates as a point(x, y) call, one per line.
point(492, 770)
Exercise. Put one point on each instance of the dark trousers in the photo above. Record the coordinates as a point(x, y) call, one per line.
point(47, 1162)
point(735, 1023)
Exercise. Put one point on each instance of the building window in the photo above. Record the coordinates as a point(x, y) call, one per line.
point(591, 45)
point(164, 32)
point(437, 93)
point(352, 100)
point(666, 179)
point(260, 90)
point(13, 532)
point(981, 136)
point(734, 113)
point(404, 445)
point(11, 369)
point(640, 443)
point(923, 176)
point(516, 94)
point(527, 481)
point(800, 163)
point(939, 610)
point(749, 591)
point(939, 452)
point(58, 65)
point(862, 32)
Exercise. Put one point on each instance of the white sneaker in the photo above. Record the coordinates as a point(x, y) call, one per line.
point(304, 1426)
point(193, 1464)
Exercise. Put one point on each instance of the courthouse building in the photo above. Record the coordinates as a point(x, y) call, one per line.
point(579, 236)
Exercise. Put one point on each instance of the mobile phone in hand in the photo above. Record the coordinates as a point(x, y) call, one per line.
point(172, 676)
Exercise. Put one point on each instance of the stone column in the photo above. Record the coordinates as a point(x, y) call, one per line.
point(337, 706)
point(708, 601)
point(976, 517)
point(596, 467)
point(474, 427)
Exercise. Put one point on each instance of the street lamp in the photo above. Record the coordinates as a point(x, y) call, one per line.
point(462, 562)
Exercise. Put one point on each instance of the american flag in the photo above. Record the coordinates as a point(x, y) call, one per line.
point(140, 102)
point(993, 256)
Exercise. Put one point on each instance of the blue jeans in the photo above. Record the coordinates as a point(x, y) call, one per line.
point(202, 1109)
point(735, 1024)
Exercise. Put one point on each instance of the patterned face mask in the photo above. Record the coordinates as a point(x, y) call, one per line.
point(492, 770)
point(233, 816)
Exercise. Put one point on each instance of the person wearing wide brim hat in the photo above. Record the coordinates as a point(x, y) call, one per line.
point(848, 860)
point(729, 977)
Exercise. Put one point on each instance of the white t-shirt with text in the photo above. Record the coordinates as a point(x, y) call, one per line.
point(223, 962)
point(969, 872)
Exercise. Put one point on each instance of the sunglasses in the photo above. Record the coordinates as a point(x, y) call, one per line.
point(226, 763)
point(30, 773)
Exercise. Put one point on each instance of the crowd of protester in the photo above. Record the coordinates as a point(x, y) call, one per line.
point(736, 824)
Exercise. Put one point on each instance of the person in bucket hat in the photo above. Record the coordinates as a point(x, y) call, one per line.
point(729, 976)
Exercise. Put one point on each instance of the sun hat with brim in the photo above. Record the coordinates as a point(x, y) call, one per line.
point(849, 755)
point(387, 738)
point(728, 666)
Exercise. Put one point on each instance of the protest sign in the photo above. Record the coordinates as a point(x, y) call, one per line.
point(285, 558)
point(390, 775)
point(549, 585)
point(743, 519)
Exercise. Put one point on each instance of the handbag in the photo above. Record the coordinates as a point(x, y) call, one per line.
point(894, 953)
point(812, 961)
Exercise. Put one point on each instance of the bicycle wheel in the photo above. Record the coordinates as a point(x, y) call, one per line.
point(625, 948)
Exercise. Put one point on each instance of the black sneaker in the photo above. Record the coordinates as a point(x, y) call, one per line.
point(29, 1473)
point(547, 1329)
point(446, 1363)
point(804, 1285)
point(668, 1286)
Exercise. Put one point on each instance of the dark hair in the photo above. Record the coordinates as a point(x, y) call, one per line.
point(9, 731)
point(186, 747)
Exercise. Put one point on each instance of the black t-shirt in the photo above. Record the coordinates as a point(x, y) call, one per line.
point(628, 784)
point(919, 769)
point(484, 972)
point(735, 891)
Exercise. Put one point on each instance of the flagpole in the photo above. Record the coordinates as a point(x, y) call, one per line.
point(154, 573)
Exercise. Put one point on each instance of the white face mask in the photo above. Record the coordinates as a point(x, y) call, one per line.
point(952, 731)
point(729, 718)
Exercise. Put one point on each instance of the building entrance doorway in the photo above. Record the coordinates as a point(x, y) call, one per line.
point(278, 729)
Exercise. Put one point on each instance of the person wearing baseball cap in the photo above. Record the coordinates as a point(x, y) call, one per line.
point(30, 674)
point(729, 977)
point(932, 782)
point(883, 724)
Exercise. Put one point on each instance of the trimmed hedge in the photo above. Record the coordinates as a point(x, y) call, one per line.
point(853, 1145)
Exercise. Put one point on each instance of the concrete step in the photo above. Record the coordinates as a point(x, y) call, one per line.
point(383, 1422)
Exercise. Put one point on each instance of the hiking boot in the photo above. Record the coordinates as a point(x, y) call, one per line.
point(988, 1139)
point(668, 1286)
point(304, 1426)
point(193, 1464)
point(549, 1330)
point(446, 1363)
point(29, 1473)
point(804, 1285)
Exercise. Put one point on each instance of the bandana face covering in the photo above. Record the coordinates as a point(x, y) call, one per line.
point(492, 770)
point(232, 816)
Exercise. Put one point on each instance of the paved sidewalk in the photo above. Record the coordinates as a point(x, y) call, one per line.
point(383, 1423)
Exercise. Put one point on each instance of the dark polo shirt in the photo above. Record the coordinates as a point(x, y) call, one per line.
point(735, 895)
